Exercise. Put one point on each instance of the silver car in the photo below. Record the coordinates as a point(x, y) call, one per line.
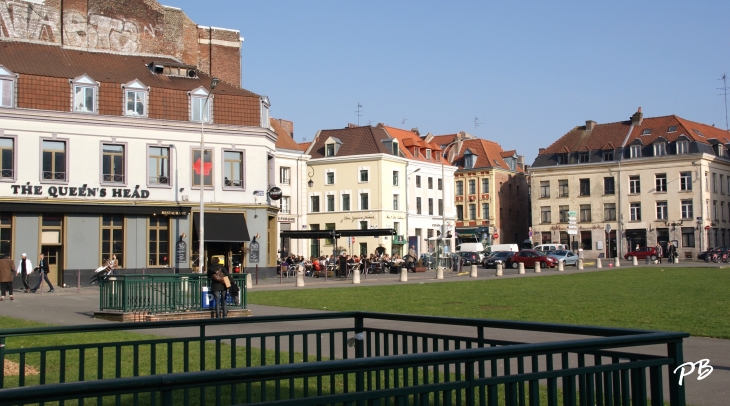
point(565, 256)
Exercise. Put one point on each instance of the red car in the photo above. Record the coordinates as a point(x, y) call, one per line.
point(642, 253)
point(530, 257)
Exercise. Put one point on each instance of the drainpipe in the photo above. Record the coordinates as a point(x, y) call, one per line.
point(619, 234)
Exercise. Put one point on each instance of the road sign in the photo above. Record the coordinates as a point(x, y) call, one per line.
point(573, 232)
point(495, 236)
point(707, 227)
point(608, 228)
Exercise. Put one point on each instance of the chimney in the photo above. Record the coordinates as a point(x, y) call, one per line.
point(590, 124)
point(540, 151)
point(350, 125)
point(520, 160)
point(637, 118)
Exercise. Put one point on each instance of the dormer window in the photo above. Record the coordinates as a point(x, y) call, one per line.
point(583, 157)
point(698, 132)
point(635, 151)
point(265, 104)
point(428, 154)
point(135, 99)
point(608, 155)
point(672, 129)
point(647, 131)
point(329, 150)
point(200, 105)
point(660, 149)
point(562, 159)
point(7, 88)
point(682, 147)
point(84, 97)
point(720, 150)
point(395, 147)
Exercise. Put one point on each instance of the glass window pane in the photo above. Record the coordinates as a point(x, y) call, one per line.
point(6, 93)
point(90, 99)
point(60, 162)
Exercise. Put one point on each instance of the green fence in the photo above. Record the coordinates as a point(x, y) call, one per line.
point(162, 293)
point(356, 359)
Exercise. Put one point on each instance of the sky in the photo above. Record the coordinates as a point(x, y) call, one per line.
point(519, 73)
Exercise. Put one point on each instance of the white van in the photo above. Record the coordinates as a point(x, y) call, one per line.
point(503, 247)
point(550, 247)
point(470, 247)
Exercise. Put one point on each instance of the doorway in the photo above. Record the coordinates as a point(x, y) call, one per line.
point(53, 259)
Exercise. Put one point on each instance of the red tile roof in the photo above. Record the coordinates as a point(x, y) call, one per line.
point(409, 141)
point(488, 153)
point(283, 139)
point(355, 141)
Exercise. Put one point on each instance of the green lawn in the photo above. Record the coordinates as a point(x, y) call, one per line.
point(693, 300)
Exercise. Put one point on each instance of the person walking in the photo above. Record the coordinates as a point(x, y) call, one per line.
point(24, 269)
point(218, 287)
point(672, 250)
point(43, 271)
point(659, 253)
point(7, 271)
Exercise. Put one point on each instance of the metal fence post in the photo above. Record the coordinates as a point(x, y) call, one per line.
point(676, 391)
point(359, 353)
point(257, 274)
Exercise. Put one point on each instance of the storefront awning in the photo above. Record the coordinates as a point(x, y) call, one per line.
point(223, 227)
point(94, 209)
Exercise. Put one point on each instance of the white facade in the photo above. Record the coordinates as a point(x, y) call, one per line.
point(291, 172)
point(423, 186)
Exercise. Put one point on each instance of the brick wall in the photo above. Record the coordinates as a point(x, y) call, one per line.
point(512, 211)
point(111, 99)
point(44, 93)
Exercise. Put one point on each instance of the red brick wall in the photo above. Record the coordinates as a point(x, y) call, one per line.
point(44, 93)
point(512, 211)
point(235, 110)
point(166, 104)
point(111, 99)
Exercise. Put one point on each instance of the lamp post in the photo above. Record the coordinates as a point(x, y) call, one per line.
point(201, 233)
point(443, 197)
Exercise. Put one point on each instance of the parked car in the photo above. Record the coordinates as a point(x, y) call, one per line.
point(703, 256)
point(498, 257)
point(642, 253)
point(550, 247)
point(469, 258)
point(530, 257)
point(567, 257)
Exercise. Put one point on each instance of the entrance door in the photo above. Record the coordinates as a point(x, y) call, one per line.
point(53, 257)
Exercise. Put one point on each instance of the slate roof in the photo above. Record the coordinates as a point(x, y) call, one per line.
point(355, 141)
point(56, 61)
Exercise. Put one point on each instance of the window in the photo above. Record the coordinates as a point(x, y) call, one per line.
point(285, 175)
point(6, 234)
point(563, 213)
point(7, 158)
point(585, 187)
point(441, 207)
point(430, 183)
point(688, 237)
point(395, 202)
point(472, 212)
point(460, 188)
point(685, 181)
point(112, 158)
point(585, 213)
point(609, 211)
point(395, 178)
point(562, 159)
point(330, 202)
point(647, 131)
point(364, 201)
point(135, 99)
point(158, 160)
point(672, 129)
point(583, 157)
point(363, 225)
point(608, 155)
point(485, 211)
point(722, 210)
point(661, 210)
point(329, 226)
point(609, 186)
point(418, 181)
point(112, 237)
point(635, 211)
point(265, 104)
point(84, 94)
point(586, 240)
point(468, 160)
point(285, 204)
point(159, 232)
point(418, 205)
point(233, 169)
point(634, 185)
point(722, 184)
point(459, 212)
point(714, 209)
point(430, 206)
point(635, 151)
point(7, 88)
point(545, 214)
point(563, 188)
point(682, 147)
point(661, 182)
point(544, 189)
point(472, 186)
point(428, 154)
point(440, 183)
point(485, 185)
point(714, 183)
point(54, 160)
point(314, 204)
point(330, 178)
point(364, 175)
point(202, 168)
point(660, 149)
point(346, 202)
point(329, 150)
point(200, 106)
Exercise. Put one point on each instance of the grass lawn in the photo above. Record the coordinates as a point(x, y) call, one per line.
point(693, 300)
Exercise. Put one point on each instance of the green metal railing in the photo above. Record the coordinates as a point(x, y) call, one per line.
point(162, 293)
point(288, 365)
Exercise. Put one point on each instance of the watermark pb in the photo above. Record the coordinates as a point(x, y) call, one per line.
point(703, 369)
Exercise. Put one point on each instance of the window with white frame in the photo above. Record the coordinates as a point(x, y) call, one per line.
point(635, 211)
point(112, 158)
point(682, 147)
point(634, 184)
point(345, 206)
point(545, 214)
point(428, 154)
point(563, 190)
point(395, 202)
point(585, 213)
point(329, 149)
point(685, 181)
point(660, 181)
point(330, 202)
point(158, 169)
point(661, 210)
point(200, 105)
point(418, 206)
point(7, 158)
point(635, 151)
point(285, 204)
point(265, 104)
point(7, 88)
point(135, 99)
point(233, 169)
point(84, 92)
point(395, 178)
point(544, 189)
point(284, 175)
point(314, 204)
point(364, 201)
point(202, 168)
point(54, 160)
point(660, 149)
point(330, 178)
point(364, 175)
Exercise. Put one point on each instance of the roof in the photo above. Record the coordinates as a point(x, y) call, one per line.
point(442, 140)
point(304, 145)
point(488, 154)
point(612, 135)
point(59, 62)
point(408, 140)
point(283, 139)
point(355, 141)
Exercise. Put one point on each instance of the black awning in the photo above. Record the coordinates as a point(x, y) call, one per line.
point(376, 232)
point(95, 208)
point(309, 234)
point(223, 227)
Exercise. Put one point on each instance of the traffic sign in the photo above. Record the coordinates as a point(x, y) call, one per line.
point(573, 232)
point(707, 227)
point(495, 236)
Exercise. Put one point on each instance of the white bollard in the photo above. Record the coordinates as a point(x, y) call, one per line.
point(439, 272)
point(300, 279)
point(676, 259)
point(403, 275)
point(249, 285)
point(499, 270)
point(598, 263)
point(537, 267)
point(616, 262)
point(634, 261)
point(580, 264)
point(521, 268)
point(355, 277)
point(473, 272)
point(561, 266)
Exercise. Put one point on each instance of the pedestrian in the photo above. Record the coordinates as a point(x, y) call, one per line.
point(7, 271)
point(24, 269)
point(218, 287)
point(659, 253)
point(672, 252)
point(114, 264)
point(43, 270)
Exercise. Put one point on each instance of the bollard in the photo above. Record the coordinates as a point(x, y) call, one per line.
point(616, 262)
point(403, 275)
point(248, 281)
point(78, 281)
point(257, 274)
point(676, 260)
point(355, 277)
point(300, 279)
point(561, 266)
point(598, 263)
point(537, 267)
point(439, 272)
point(521, 268)
point(499, 269)
point(635, 261)
point(473, 273)
point(580, 264)
point(648, 259)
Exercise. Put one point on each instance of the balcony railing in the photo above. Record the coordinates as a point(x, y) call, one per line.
point(50, 175)
point(113, 178)
point(159, 180)
point(6, 173)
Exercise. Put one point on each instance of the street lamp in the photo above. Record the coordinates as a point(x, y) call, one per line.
point(445, 156)
point(201, 234)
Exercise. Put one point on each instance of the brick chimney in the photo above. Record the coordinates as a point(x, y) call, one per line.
point(590, 124)
point(637, 118)
point(540, 151)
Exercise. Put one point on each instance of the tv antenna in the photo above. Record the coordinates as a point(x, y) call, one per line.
point(359, 113)
point(724, 92)
point(477, 123)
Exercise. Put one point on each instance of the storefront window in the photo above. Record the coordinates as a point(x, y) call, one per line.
point(6, 233)
point(202, 168)
point(159, 247)
point(112, 237)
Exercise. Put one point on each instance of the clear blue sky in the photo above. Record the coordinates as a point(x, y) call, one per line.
point(530, 71)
